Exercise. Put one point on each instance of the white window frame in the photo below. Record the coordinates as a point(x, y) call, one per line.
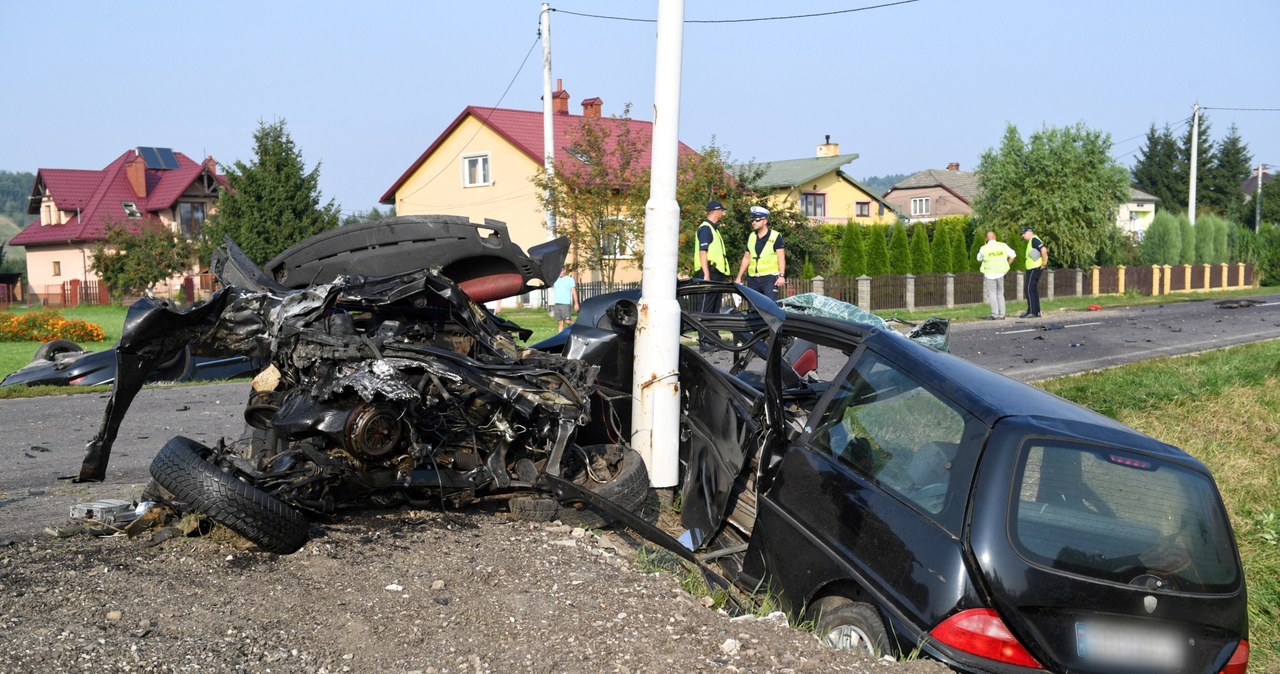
point(482, 159)
point(920, 206)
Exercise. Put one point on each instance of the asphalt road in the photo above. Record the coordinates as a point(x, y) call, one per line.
point(1071, 342)
point(43, 439)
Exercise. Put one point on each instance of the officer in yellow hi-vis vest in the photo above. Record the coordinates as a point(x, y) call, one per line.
point(1036, 258)
point(709, 261)
point(995, 257)
point(765, 261)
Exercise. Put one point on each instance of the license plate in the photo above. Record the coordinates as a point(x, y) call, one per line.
point(1102, 643)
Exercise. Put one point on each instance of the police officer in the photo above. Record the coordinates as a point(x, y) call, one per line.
point(1037, 258)
point(710, 263)
point(995, 257)
point(765, 261)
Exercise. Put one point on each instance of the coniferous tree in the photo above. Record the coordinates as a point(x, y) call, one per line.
point(941, 249)
point(899, 251)
point(1229, 166)
point(1162, 244)
point(921, 254)
point(979, 239)
point(1156, 170)
point(959, 251)
point(853, 256)
point(877, 251)
point(1205, 253)
point(273, 202)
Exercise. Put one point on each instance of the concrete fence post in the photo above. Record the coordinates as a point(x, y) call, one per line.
point(1207, 283)
point(1079, 283)
point(1186, 277)
point(1157, 279)
point(819, 285)
point(1240, 274)
point(910, 292)
point(1167, 277)
point(1020, 286)
point(864, 292)
point(1093, 280)
point(950, 289)
point(1225, 283)
point(1120, 279)
point(1048, 283)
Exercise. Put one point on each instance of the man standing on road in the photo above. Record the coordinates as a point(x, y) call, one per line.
point(1036, 259)
point(564, 297)
point(995, 257)
point(765, 258)
point(709, 261)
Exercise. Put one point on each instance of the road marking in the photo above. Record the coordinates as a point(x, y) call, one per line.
point(1073, 325)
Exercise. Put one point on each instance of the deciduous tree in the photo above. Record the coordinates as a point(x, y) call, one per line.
point(133, 259)
point(1062, 182)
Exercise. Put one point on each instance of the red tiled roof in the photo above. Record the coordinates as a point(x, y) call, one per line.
point(97, 197)
point(523, 129)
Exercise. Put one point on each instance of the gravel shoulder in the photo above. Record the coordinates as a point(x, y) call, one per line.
point(395, 591)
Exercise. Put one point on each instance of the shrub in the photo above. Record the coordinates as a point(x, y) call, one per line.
point(899, 253)
point(45, 325)
point(1188, 254)
point(853, 257)
point(877, 250)
point(1162, 243)
point(921, 254)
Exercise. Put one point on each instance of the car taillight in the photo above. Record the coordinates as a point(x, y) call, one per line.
point(981, 632)
point(76, 381)
point(1239, 662)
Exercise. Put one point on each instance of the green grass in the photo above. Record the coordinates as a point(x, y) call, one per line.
point(980, 311)
point(13, 355)
point(1223, 407)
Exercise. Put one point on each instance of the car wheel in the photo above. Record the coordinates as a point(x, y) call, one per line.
point(851, 625)
point(49, 350)
point(612, 471)
point(181, 468)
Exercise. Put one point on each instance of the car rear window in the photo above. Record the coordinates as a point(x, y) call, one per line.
point(1122, 516)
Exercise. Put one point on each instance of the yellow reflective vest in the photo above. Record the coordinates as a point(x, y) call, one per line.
point(715, 251)
point(765, 262)
point(1033, 262)
point(995, 257)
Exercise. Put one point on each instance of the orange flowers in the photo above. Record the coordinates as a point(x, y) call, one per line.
point(44, 325)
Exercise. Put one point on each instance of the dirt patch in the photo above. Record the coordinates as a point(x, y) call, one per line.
point(405, 591)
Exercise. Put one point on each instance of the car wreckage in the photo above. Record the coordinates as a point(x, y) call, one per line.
point(901, 499)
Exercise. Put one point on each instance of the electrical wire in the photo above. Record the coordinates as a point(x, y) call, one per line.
point(1243, 109)
point(445, 166)
point(762, 18)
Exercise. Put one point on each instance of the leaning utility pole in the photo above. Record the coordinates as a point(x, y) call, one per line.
point(1195, 151)
point(548, 127)
point(655, 409)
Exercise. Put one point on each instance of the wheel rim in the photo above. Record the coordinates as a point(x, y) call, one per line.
point(848, 637)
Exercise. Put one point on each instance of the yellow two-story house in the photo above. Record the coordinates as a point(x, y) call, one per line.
point(818, 188)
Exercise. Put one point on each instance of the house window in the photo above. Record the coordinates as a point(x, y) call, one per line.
point(862, 209)
point(475, 170)
point(57, 268)
point(614, 240)
point(191, 218)
point(813, 204)
point(920, 206)
point(131, 210)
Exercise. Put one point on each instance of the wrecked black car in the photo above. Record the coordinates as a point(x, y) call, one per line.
point(399, 388)
point(62, 362)
point(906, 501)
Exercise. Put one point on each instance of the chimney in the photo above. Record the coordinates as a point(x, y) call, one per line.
point(560, 99)
point(591, 107)
point(136, 172)
point(828, 149)
point(953, 166)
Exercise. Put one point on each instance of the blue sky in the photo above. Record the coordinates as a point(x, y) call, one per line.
point(365, 87)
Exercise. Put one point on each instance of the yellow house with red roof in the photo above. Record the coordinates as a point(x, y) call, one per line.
point(481, 166)
point(76, 206)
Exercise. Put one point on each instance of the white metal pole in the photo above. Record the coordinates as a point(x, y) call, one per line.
point(655, 411)
point(1195, 151)
point(548, 119)
point(1257, 200)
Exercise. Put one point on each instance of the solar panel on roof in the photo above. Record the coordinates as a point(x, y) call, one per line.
point(158, 157)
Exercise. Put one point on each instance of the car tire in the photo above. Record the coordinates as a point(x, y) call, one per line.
point(49, 350)
point(628, 487)
point(845, 624)
point(268, 522)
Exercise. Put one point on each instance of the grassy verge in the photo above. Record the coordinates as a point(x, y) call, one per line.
point(14, 355)
point(979, 311)
point(1223, 407)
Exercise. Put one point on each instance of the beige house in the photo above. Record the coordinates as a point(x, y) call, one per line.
point(818, 187)
point(482, 164)
point(932, 194)
point(75, 207)
point(1135, 215)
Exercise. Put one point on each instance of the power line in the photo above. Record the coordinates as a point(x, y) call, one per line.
point(484, 123)
point(1243, 109)
point(751, 20)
